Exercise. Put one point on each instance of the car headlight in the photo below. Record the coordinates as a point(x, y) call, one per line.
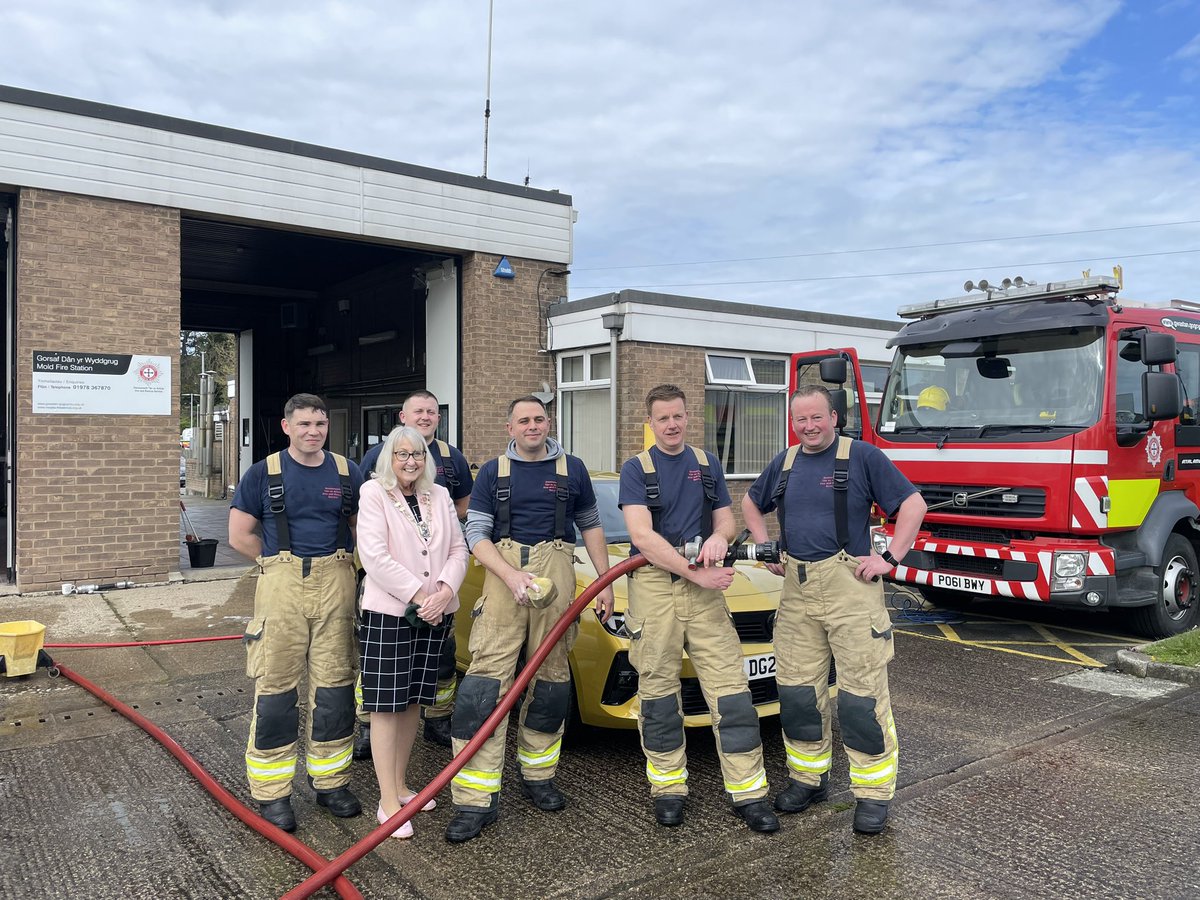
point(615, 625)
point(1068, 565)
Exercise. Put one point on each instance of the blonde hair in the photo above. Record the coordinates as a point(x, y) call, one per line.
point(383, 466)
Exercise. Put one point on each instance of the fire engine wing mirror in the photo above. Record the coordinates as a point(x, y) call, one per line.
point(838, 399)
point(833, 371)
point(1156, 348)
point(1160, 395)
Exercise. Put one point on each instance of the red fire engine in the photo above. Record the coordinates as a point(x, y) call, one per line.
point(1051, 430)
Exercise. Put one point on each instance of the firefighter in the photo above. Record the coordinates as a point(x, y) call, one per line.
point(304, 500)
point(832, 600)
point(670, 494)
point(420, 410)
point(525, 507)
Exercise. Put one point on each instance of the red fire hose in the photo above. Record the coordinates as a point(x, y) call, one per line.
point(301, 851)
point(333, 869)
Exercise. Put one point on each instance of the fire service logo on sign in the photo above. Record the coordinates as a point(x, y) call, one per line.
point(110, 384)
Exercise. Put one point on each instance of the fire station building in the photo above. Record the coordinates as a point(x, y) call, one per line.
point(356, 278)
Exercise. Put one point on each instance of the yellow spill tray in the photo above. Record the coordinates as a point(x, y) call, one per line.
point(19, 645)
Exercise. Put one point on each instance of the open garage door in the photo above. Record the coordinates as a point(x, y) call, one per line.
point(349, 320)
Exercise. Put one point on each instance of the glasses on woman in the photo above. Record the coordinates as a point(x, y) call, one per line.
point(406, 455)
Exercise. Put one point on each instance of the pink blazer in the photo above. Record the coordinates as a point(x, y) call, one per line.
point(397, 560)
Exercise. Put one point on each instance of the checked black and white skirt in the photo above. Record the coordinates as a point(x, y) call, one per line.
point(399, 663)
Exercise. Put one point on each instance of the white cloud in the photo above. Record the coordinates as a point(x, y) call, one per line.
point(691, 132)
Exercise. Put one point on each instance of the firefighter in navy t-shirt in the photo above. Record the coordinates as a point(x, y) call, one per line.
point(832, 604)
point(525, 507)
point(305, 500)
point(671, 494)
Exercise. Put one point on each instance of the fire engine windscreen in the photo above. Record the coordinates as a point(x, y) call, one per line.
point(1048, 379)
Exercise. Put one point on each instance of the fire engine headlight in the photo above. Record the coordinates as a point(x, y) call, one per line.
point(1069, 565)
point(879, 541)
point(615, 625)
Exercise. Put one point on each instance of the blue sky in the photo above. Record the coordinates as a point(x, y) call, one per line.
point(768, 152)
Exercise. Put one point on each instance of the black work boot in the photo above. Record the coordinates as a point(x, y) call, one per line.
point(468, 821)
point(668, 811)
point(758, 816)
point(340, 801)
point(870, 816)
point(543, 794)
point(278, 813)
point(437, 730)
point(797, 797)
point(362, 742)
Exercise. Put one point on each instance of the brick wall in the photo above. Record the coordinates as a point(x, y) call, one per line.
point(96, 496)
point(502, 331)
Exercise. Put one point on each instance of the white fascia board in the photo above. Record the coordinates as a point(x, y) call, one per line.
point(716, 331)
point(55, 150)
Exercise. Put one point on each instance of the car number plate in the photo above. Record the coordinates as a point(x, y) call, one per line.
point(962, 583)
point(759, 666)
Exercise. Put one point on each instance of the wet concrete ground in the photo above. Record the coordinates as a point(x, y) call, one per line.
point(1020, 776)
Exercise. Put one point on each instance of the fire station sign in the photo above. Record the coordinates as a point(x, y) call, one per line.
point(109, 384)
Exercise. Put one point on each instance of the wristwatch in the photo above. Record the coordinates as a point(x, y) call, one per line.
point(889, 559)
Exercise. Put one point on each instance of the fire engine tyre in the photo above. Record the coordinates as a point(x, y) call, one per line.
point(1178, 608)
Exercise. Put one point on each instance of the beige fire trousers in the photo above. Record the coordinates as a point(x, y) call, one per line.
point(824, 610)
point(303, 624)
point(501, 628)
point(666, 616)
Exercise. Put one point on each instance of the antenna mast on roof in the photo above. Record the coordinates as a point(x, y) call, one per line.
point(487, 102)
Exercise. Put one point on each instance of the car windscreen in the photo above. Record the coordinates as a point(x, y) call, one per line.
point(610, 513)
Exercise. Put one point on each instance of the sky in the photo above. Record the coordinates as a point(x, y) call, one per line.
point(848, 157)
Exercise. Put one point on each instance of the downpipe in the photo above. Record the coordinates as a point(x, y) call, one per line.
point(335, 867)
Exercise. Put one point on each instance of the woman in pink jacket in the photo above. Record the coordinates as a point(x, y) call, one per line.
point(412, 549)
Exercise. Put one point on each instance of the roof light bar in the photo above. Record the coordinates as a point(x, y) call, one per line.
point(1093, 285)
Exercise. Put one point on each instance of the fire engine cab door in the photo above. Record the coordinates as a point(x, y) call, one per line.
point(847, 395)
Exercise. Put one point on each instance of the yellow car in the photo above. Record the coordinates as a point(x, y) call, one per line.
point(605, 684)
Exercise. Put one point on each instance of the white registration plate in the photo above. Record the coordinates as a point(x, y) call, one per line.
point(759, 666)
point(962, 583)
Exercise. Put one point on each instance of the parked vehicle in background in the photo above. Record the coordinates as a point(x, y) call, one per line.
point(1061, 461)
point(183, 471)
point(604, 684)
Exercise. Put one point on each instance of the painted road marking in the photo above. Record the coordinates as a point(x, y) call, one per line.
point(954, 627)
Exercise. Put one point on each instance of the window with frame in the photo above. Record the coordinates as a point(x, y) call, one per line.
point(745, 410)
point(584, 422)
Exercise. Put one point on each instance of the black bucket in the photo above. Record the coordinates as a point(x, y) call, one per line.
point(203, 553)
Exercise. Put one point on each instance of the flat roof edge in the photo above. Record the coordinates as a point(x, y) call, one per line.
point(722, 306)
point(92, 109)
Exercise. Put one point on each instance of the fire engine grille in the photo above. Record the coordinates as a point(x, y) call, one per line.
point(972, 535)
point(973, 565)
point(1031, 502)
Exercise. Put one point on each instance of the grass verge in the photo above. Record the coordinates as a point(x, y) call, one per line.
point(1180, 650)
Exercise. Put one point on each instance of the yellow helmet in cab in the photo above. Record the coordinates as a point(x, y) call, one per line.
point(933, 397)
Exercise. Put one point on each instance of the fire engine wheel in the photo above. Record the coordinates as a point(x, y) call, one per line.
point(1178, 607)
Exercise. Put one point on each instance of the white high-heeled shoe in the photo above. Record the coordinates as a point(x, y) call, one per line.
point(404, 832)
point(404, 801)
